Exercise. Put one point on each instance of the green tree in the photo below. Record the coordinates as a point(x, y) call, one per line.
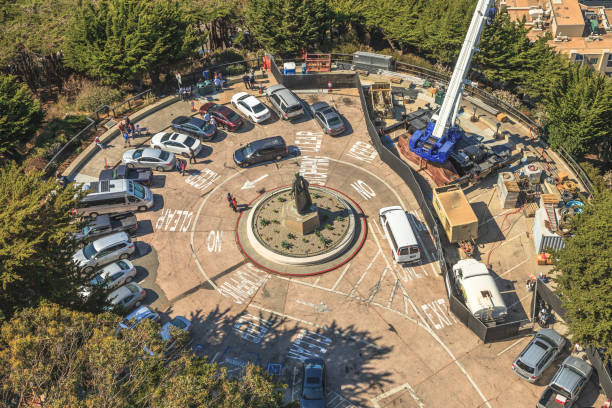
point(72, 358)
point(288, 25)
point(585, 280)
point(35, 244)
point(580, 113)
point(20, 116)
point(121, 40)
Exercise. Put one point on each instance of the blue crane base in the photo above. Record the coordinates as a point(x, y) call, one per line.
point(429, 147)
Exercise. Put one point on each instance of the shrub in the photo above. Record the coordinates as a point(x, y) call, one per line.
point(291, 236)
point(282, 199)
point(91, 97)
point(264, 222)
point(286, 245)
point(329, 227)
point(235, 69)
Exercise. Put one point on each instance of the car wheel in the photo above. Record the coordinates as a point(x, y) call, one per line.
point(141, 208)
point(137, 304)
point(244, 165)
point(128, 279)
point(159, 169)
point(93, 215)
point(124, 256)
point(157, 147)
point(279, 157)
point(131, 165)
point(89, 269)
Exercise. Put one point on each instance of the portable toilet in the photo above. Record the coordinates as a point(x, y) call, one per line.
point(289, 68)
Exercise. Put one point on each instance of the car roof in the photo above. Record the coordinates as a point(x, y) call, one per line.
point(180, 119)
point(273, 141)
point(197, 121)
point(109, 240)
point(149, 152)
point(250, 100)
point(535, 350)
point(103, 219)
point(224, 110)
point(551, 336)
point(578, 364)
point(274, 88)
point(108, 269)
point(331, 113)
point(143, 312)
point(178, 137)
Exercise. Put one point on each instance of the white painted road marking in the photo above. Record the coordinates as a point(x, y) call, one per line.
point(314, 169)
point(363, 189)
point(395, 390)
point(308, 344)
point(309, 141)
point(164, 222)
point(362, 151)
point(243, 284)
point(215, 240)
point(252, 328)
point(251, 184)
point(202, 181)
point(510, 346)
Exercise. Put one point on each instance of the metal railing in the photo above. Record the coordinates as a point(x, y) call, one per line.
point(94, 118)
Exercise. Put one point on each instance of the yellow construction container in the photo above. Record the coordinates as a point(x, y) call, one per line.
point(455, 213)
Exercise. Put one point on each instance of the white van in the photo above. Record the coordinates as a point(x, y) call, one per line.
point(111, 196)
point(400, 235)
point(479, 290)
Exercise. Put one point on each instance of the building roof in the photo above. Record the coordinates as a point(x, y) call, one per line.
point(567, 12)
point(457, 208)
point(582, 45)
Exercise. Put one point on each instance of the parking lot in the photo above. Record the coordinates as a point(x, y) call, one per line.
point(385, 331)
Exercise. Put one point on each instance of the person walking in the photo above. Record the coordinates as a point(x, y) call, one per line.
point(207, 117)
point(126, 139)
point(229, 200)
point(138, 130)
point(221, 79)
point(192, 158)
point(247, 81)
point(213, 122)
point(234, 204)
point(98, 143)
point(217, 84)
point(183, 167)
point(132, 130)
point(252, 79)
point(122, 127)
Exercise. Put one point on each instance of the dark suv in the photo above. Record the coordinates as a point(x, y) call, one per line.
point(271, 148)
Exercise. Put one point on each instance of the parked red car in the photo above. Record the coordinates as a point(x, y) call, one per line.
point(224, 116)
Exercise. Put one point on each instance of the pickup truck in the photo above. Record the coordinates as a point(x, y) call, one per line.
point(567, 384)
point(138, 174)
point(107, 224)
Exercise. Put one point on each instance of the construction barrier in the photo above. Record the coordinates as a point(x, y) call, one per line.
point(603, 370)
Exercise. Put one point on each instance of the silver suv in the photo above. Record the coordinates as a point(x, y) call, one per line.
point(285, 102)
point(541, 351)
point(104, 250)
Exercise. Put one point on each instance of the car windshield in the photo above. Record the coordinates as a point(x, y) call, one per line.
point(233, 116)
point(97, 280)
point(189, 141)
point(182, 120)
point(165, 137)
point(333, 121)
point(89, 251)
point(178, 323)
point(313, 392)
point(137, 154)
point(139, 191)
point(559, 390)
point(258, 108)
point(122, 265)
point(248, 150)
point(164, 155)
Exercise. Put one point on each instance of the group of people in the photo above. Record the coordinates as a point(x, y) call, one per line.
point(216, 77)
point(249, 79)
point(127, 129)
point(233, 203)
point(208, 118)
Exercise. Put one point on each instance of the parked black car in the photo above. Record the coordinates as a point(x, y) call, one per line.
point(107, 224)
point(271, 148)
point(140, 175)
point(195, 127)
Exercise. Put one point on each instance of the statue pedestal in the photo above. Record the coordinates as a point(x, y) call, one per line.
point(300, 223)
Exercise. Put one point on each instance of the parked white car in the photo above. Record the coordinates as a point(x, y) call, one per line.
point(251, 107)
point(112, 276)
point(127, 296)
point(176, 143)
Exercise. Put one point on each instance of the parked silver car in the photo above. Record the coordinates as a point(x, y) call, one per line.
point(541, 351)
point(567, 384)
point(127, 296)
point(142, 313)
point(328, 118)
point(104, 250)
point(159, 160)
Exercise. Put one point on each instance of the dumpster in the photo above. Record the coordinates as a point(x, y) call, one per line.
point(289, 68)
point(205, 87)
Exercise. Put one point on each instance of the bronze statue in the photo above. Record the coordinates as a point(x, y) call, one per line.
point(303, 202)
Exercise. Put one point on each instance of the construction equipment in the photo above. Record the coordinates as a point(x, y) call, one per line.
point(467, 247)
point(318, 62)
point(550, 203)
point(441, 134)
point(382, 100)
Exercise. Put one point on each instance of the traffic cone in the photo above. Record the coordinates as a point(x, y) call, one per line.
point(105, 163)
point(193, 106)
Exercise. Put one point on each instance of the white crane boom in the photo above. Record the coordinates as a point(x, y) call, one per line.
point(450, 106)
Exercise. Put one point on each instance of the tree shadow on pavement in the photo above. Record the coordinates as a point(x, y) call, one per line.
point(280, 345)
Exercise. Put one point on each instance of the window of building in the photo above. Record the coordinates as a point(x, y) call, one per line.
point(593, 61)
point(579, 58)
point(610, 60)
